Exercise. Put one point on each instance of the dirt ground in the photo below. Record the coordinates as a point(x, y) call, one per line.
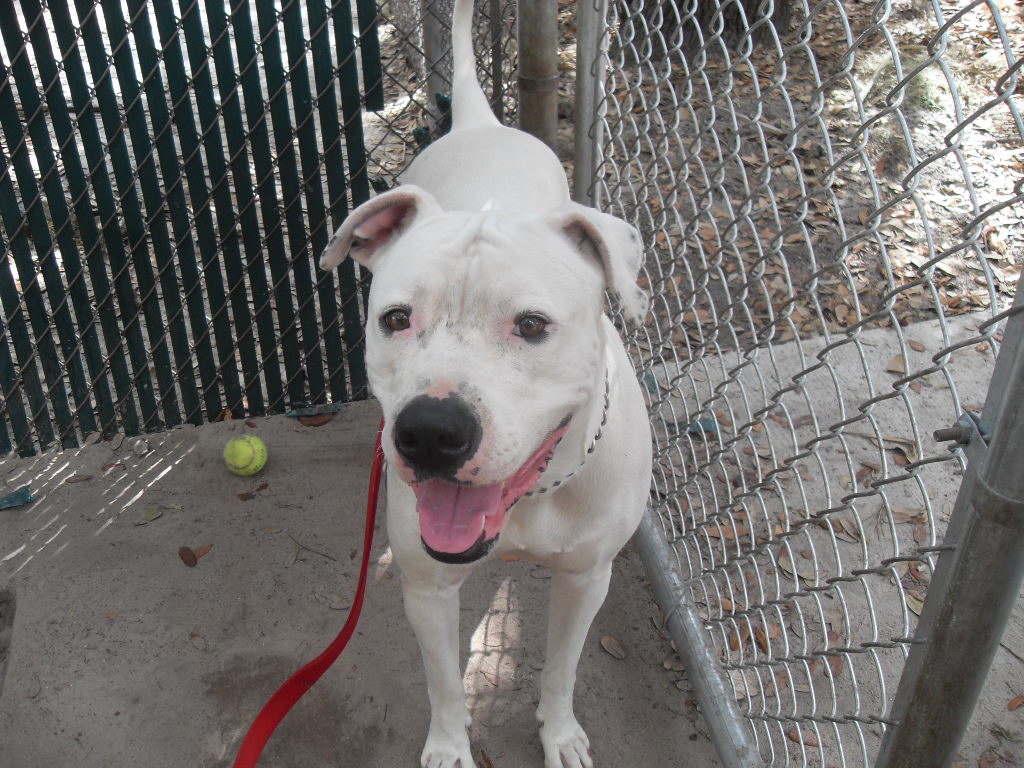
point(121, 655)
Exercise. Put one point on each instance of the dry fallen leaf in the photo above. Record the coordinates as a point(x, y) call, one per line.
point(804, 737)
point(804, 568)
point(203, 550)
point(613, 647)
point(846, 528)
point(762, 640)
point(905, 444)
point(899, 457)
point(316, 421)
point(149, 514)
point(863, 474)
point(897, 365)
point(249, 495)
point(1015, 703)
point(188, 557)
point(834, 664)
point(728, 531)
point(917, 346)
point(909, 515)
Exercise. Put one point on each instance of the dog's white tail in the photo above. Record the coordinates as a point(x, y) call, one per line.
point(469, 104)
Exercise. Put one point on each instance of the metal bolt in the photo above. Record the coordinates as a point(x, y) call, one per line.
point(959, 433)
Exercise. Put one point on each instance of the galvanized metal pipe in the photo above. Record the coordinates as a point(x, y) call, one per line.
point(497, 59)
point(729, 733)
point(590, 69)
point(435, 15)
point(538, 69)
point(976, 583)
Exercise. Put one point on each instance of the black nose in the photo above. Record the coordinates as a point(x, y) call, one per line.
point(437, 436)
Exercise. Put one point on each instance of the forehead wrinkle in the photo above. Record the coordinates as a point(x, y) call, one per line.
point(465, 279)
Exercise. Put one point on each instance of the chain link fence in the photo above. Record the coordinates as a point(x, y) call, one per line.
point(168, 173)
point(829, 191)
point(831, 198)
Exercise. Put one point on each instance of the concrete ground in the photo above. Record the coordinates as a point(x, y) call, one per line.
point(118, 654)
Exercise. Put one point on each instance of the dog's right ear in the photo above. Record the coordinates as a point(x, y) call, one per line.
point(375, 224)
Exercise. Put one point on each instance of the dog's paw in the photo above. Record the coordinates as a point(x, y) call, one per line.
point(565, 743)
point(445, 749)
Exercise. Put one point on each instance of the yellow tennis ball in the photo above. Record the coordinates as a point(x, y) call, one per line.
point(245, 455)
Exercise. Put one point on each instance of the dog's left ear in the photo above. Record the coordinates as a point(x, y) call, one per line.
point(376, 224)
point(616, 245)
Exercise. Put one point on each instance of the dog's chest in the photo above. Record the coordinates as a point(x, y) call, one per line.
point(539, 531)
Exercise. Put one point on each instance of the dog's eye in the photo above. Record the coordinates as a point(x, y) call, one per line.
point(395, 320)
point(532, 327)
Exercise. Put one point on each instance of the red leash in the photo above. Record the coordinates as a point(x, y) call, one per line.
point(295, 687)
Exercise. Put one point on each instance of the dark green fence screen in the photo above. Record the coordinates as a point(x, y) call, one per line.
point(169, 173)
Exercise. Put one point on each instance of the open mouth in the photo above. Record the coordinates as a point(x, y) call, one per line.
point(459, 523)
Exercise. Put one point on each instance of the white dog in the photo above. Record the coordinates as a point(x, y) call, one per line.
point(514, 421)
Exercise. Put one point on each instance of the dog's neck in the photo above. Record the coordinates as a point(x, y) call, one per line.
point(596, 431)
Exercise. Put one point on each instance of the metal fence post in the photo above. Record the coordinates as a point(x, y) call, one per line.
point(729, 733)
point(977, 578)
point(435, 51)
point(590, 66)
point(538, 69)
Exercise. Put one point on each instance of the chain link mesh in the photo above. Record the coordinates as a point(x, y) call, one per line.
point(169, 173)
point(830, 194)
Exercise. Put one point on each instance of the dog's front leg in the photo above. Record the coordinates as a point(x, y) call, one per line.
point(575, 600)
point(433, 611)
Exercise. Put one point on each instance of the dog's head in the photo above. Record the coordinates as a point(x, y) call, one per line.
point(484, 341)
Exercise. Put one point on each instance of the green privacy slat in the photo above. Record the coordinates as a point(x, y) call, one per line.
point(76, 186)
point(247, 216)
point(221, 188)
point(96, 258)
point(332, 166)
point(227, 233)
point(314, 235)
point(291, 190)
point(348, 82)
point(250, 70)
point(349, 273)
point(127, 213)
point(351, 107)
point(369, 49)
point(165, 196)
point(17, 329)
point(14, 409)
point(68, 368)
point(14, 218)
point(204, 231)
point(85, 223)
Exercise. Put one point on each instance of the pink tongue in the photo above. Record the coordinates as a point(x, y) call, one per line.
point(452, 516)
